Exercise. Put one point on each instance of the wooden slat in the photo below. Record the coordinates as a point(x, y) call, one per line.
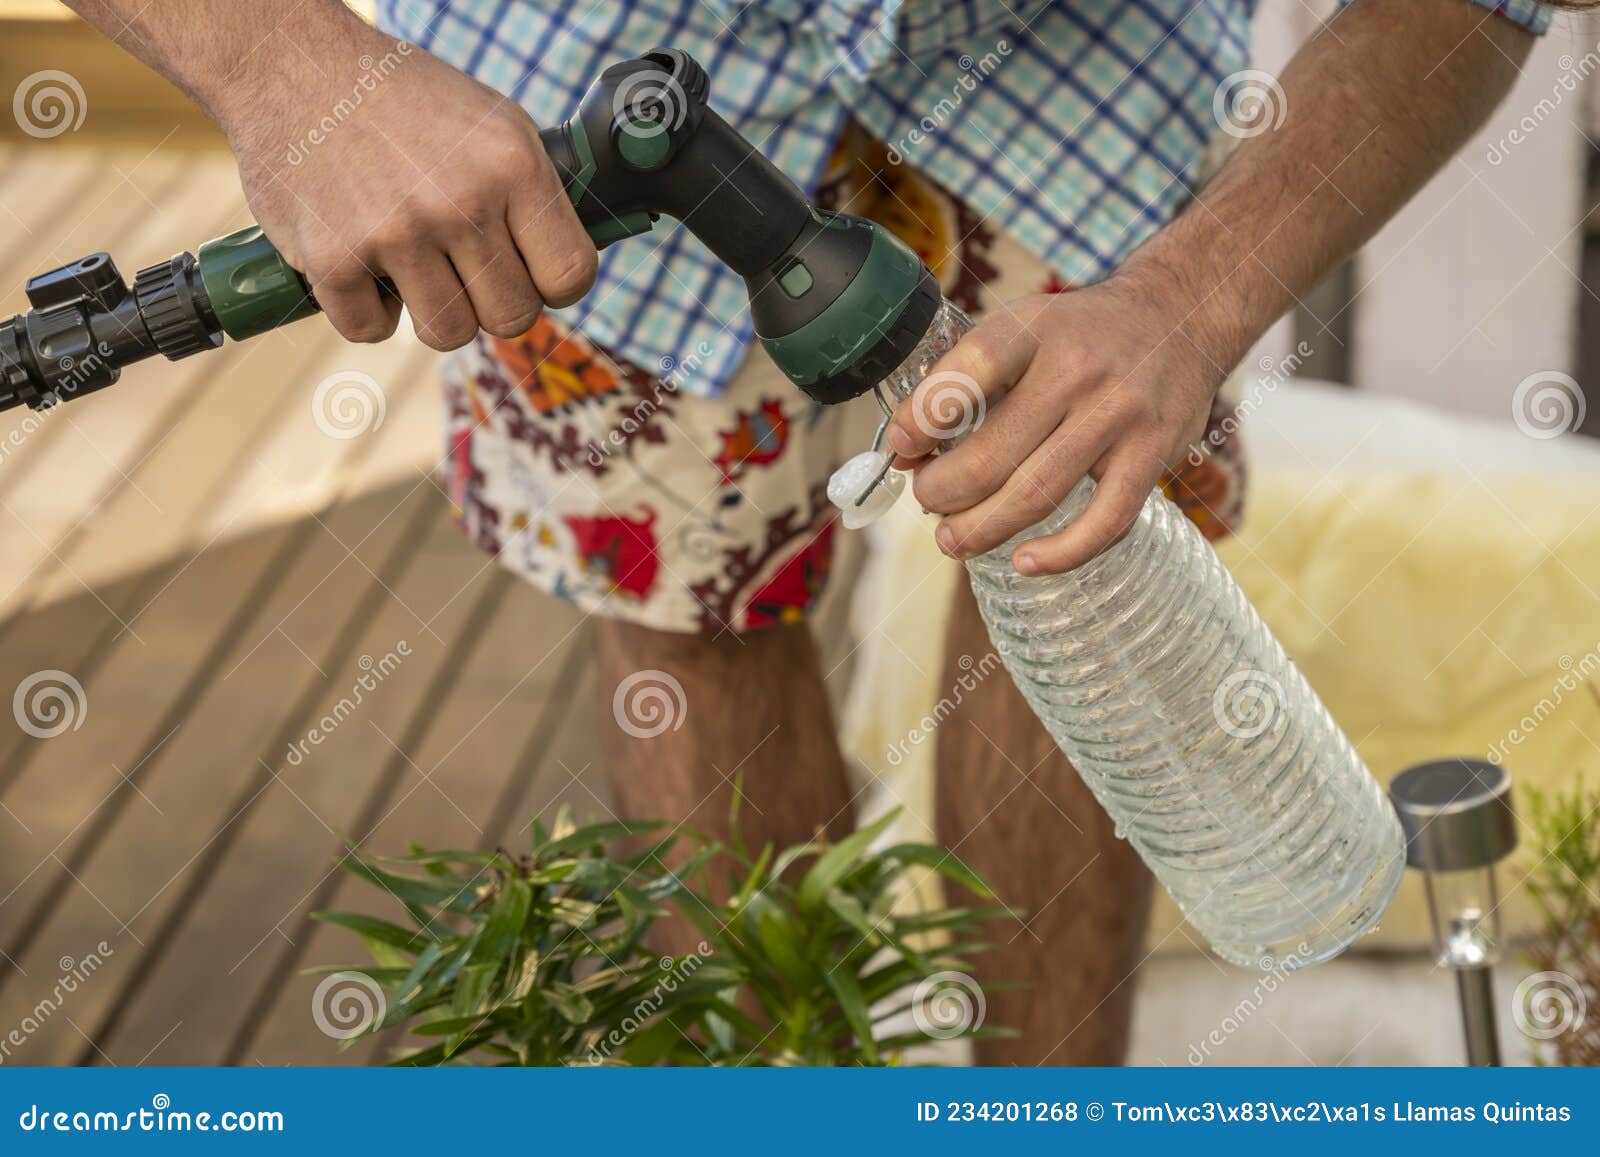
point(77, 455)
point(123, 99)
point(178, 483)
point(96, 201)
point(570, 767)
point(158, 510)
point(561, 763)
point(205, 630)
point(404, 777)
point(170, 826)
point(284, 852)
point(183, 474)
point(44, 191)
point(489, 741)
point(167, 1001)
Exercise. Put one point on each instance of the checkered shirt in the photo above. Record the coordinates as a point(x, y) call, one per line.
point(1077, 124)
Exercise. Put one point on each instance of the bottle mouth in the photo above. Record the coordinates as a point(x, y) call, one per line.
point(867, 486)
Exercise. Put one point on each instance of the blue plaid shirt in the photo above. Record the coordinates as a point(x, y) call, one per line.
point(1080, 124)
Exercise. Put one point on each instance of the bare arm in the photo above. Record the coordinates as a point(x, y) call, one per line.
point(1115, 381)
point(203, 46)
point(364, 157)
point(1378, 102)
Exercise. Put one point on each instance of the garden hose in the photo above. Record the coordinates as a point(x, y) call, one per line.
point(837, 301)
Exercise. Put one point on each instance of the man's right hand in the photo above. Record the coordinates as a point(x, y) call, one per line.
point(362, 157)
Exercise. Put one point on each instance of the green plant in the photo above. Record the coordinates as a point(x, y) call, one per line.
point(1563, 1012)
point(541, 958)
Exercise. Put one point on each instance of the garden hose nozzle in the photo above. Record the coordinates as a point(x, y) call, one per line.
point(838, 302)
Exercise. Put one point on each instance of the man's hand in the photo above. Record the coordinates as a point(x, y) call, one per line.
point(363, 158)
point(1115, 381)
point(1097, 382)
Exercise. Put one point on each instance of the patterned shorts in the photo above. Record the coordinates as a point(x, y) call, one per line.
point(603, 483)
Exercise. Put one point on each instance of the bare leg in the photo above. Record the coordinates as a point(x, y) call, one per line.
point(1011, 806)
point(757, 713)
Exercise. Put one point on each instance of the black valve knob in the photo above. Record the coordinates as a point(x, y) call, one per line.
point(94, 278)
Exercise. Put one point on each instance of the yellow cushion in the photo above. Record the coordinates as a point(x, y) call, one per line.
point(1438, 615)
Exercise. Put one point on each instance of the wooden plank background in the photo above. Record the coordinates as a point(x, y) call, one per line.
point(216, 573)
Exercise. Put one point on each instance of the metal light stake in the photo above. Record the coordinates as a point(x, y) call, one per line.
point(1459, 824)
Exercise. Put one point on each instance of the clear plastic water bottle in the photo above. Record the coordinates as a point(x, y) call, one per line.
point(1194, 730)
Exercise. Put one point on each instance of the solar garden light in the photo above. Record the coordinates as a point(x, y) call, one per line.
point(1459, 824)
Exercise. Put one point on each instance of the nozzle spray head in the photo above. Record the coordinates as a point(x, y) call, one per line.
point(844, 306)
point(837, 301)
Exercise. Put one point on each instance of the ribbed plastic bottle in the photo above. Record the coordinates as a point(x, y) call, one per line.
point(1194, 730)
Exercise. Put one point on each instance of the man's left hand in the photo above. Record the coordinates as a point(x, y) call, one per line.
point(1099, 381)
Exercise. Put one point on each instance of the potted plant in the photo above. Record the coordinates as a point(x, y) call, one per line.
point(541, 957)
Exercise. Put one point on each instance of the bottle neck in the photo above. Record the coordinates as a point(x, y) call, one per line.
point(948, 326)
point(953, 406)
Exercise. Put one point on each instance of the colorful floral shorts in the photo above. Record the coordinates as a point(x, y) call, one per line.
point(603, 483)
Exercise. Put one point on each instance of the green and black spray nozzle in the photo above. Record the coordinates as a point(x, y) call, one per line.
point(837, 301)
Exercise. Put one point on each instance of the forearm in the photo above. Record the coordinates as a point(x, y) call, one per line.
point(1376, 104)
point(217, 51)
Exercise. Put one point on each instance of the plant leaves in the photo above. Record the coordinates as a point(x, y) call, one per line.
point(504, 925)
point(574, 1006)
point(854, 1006)
point(525, 977)
point(598, 835)
point(947, 864)
point(412, 892)
point(836, 863)
point(543, 959)
point(780, 939)
point(371, 928)
point(471, 988)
